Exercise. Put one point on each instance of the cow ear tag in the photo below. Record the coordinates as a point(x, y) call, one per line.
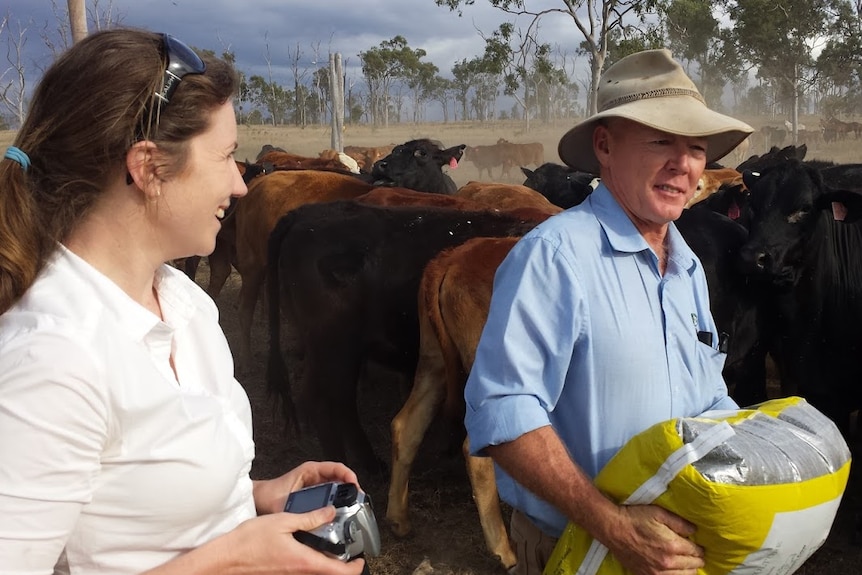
point(453, 163)
point(839, 211)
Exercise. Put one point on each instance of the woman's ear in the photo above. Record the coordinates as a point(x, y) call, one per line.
point(141, 170)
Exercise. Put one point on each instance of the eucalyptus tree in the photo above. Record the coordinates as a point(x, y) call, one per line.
point(695, 37)
point(779, 38)
point(464, 78)
point(382, 66)
point(77, 19)
point(440, 90)
point(525, 66)
point(595, 19)
point(418, 76)
point(839, 66)
point(271, 97)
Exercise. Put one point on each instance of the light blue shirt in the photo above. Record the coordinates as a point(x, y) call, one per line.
point(586, 335)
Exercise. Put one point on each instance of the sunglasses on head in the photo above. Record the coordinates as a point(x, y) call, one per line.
point(182, 61)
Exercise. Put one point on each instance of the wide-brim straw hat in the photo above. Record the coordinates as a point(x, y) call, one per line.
point(652, 89)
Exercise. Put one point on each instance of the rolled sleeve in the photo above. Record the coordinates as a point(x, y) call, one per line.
point(526, 346)
point(502, 420)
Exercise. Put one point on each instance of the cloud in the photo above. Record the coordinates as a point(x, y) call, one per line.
point(246, 28)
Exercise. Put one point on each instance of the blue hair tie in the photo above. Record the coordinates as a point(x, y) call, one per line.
point(17, 155)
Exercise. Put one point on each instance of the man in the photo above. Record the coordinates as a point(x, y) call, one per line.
point(600, 327)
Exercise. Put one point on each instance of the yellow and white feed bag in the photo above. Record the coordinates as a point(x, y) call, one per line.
point(761, 484)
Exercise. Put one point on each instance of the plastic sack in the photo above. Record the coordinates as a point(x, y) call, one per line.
point(762, 484)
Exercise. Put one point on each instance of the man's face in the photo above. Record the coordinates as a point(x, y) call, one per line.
point(652, 174)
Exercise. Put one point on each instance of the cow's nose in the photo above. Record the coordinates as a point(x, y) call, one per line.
point(762, 261)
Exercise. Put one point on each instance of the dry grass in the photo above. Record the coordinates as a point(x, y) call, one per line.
point(311, 140)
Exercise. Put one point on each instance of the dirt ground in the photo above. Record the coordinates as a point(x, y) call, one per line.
point(447, 538)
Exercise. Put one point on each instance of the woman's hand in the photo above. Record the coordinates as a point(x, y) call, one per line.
point(270, 495)
point(263, 545)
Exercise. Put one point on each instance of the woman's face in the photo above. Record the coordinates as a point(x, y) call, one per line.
point(192, 203)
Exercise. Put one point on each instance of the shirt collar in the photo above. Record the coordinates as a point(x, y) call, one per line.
point(623, 236)
point(176, 303)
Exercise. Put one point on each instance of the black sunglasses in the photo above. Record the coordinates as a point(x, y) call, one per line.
point(182, 61)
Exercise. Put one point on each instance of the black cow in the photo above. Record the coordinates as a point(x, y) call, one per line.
point(730, 200)
point(811, 262)
point(344, 276)
point(562, 185)
point(417, 165)
point(734, 303)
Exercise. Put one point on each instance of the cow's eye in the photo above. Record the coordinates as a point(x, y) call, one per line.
point(420, 153)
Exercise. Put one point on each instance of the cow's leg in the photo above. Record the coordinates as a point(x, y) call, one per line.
point(332, 368)
point(252, 281)
point(408, 430)
point(484, 486)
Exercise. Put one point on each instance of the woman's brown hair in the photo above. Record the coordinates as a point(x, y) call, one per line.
point(91, 105)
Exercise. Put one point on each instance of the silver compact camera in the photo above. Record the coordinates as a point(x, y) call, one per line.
point(353, 531)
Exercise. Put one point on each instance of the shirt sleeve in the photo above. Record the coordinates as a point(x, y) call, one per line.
point(53, 428)
point(526, 346)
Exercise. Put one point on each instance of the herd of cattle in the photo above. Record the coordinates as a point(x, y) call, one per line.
point(394, 265)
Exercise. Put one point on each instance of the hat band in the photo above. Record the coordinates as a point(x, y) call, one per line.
point(662, 93)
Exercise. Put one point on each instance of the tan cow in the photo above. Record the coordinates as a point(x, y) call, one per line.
point(365, 156)
point(506, 196)
point(454, 297)
point(520, 155)
point(711, 181)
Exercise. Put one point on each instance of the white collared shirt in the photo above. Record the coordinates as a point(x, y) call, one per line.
point(109, 463)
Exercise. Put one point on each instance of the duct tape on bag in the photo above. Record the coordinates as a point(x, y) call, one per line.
point(761, 484)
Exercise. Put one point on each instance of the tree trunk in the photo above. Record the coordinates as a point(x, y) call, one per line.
point(77, 20)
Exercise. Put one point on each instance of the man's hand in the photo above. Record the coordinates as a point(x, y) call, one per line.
point(649, 540)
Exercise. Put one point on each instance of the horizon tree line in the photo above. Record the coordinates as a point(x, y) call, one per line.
point(803, 56)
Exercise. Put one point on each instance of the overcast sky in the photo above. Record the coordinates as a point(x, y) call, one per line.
point(346, 26)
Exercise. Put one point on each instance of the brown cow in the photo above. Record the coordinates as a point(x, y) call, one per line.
point(506, 196)
point(520, 155)
point(270, 197)
point(365, 156)
point(454, 297)
point(282, 159)
point(484, 158)
point(711, 181)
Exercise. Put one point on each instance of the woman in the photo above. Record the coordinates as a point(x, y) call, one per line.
point(125, 441)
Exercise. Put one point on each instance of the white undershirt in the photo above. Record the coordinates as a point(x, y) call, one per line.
point(108, 462)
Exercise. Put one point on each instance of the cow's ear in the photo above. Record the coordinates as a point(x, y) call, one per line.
point(527, 172)
point(846, 203)
point(446, 156)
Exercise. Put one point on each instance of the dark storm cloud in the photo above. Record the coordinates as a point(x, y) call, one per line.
point(246, 26)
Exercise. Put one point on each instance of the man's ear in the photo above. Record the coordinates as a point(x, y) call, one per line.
point(140, 169)
point(601, 143)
